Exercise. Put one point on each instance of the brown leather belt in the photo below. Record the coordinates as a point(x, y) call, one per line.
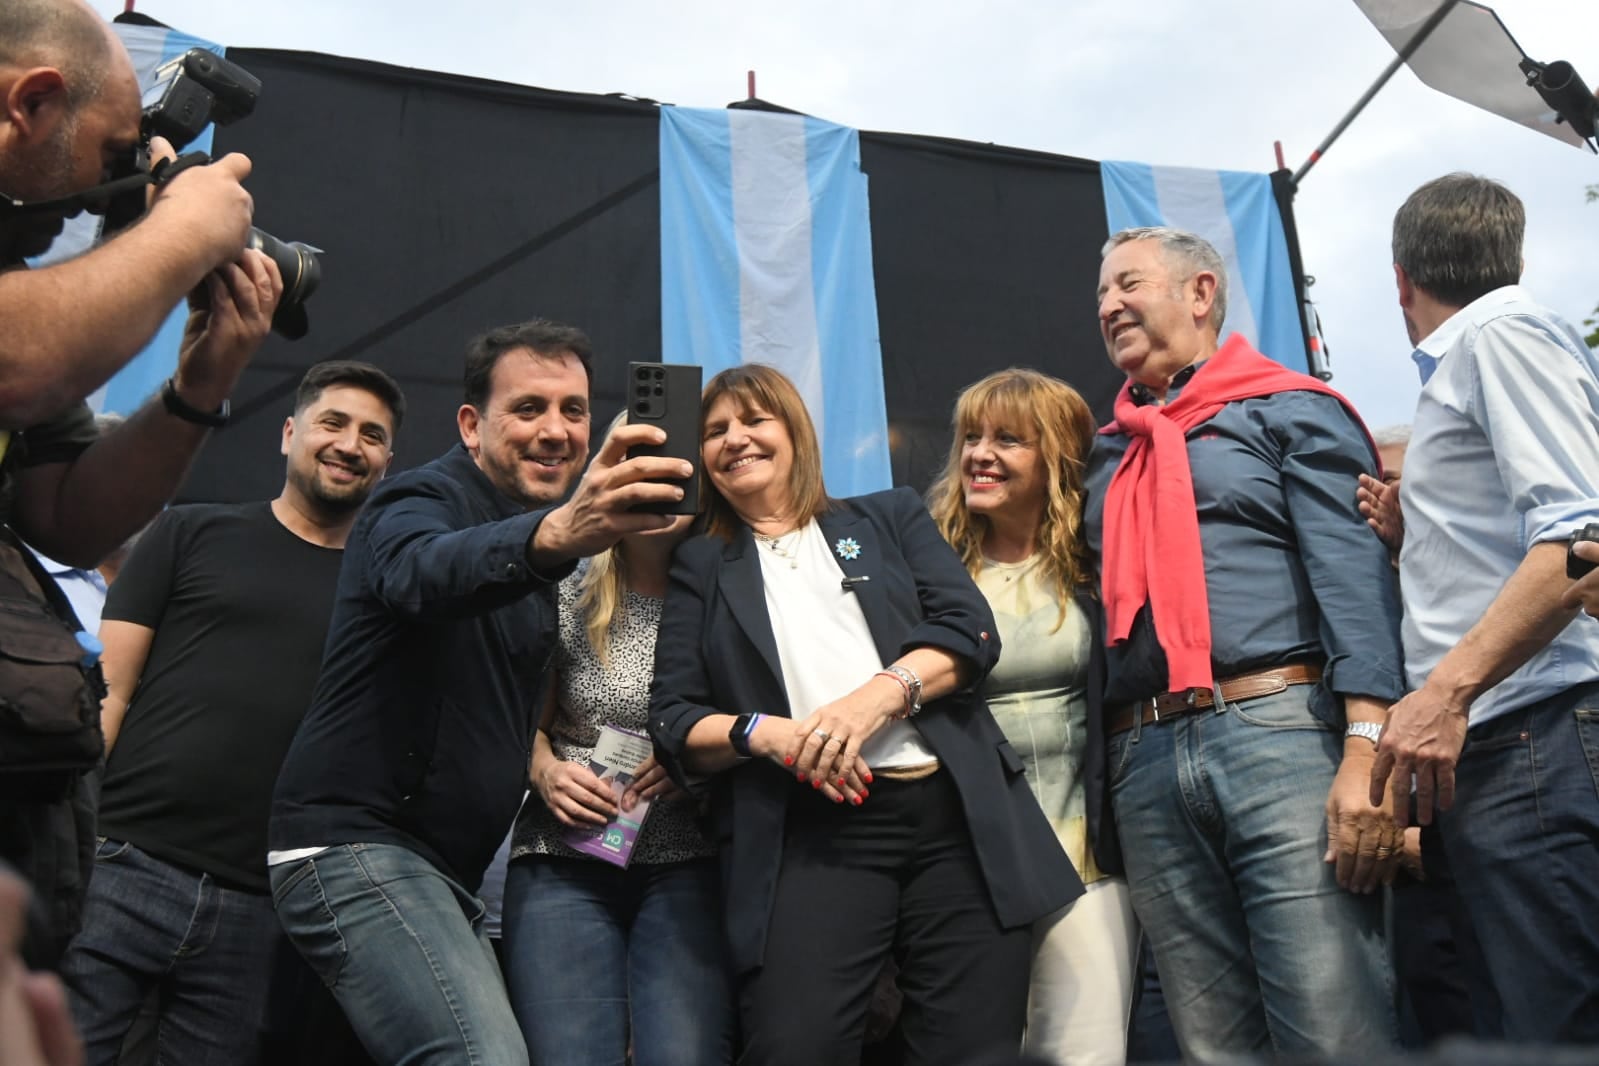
point(1243, 687)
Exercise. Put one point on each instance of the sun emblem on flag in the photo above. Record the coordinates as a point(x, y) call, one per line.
point(847, 549)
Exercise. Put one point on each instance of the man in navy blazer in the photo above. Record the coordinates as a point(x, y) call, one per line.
point(412, 761)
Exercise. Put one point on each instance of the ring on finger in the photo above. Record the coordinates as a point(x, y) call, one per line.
point(824, 734)
point(836, 740)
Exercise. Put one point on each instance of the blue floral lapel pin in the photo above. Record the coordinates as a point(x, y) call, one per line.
point(847, 549)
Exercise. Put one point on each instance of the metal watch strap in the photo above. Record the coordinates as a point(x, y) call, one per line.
point(178, 407)
point(1371, 731)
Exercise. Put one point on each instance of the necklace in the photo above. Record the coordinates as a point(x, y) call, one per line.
point(779, 549)
point(1010, 571)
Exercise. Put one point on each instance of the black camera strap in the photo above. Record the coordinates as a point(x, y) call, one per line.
point(95, 200)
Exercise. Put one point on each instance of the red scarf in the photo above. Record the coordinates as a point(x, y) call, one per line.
point(1152, 551)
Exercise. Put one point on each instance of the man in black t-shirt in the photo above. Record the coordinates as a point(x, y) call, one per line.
point(213, 640)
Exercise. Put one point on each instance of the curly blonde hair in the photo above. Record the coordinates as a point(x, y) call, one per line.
point(1038, 407)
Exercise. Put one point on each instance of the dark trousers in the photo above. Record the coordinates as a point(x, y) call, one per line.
point(1444, 985)
point(1523, 839)
point(895, 875)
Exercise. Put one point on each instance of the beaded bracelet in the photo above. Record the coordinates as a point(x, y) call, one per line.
point(910, 683)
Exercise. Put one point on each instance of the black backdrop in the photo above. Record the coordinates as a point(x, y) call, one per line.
point(446, 205)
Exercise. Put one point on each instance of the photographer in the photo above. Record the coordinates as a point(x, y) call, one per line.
point(70, 106)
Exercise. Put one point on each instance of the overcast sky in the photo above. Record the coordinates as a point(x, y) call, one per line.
point(1174, 82)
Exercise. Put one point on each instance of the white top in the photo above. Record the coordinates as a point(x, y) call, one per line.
point(823, 641)
point(1504, 454)
point(591, 695)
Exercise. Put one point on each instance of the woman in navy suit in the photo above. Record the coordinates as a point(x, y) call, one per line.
point(814, 668)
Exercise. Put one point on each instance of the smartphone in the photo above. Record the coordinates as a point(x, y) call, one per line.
point(1576, 567)
point(668, 395)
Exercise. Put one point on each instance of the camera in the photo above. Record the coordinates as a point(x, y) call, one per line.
point(189, 93)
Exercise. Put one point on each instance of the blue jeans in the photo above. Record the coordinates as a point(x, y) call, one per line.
point(1523, 839)
point(148, 924)
point(1223, 823)
point(401, 946)
point(594, 953)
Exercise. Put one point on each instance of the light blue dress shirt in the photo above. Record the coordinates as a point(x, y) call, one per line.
point(85, 590)
point(1504, 454)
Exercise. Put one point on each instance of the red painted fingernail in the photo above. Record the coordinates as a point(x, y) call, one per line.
point(864, 793)
point(800, 775)
point(859, 798)
point(868, 778)
point(838, 799)
point(841, 782)
point(816, 783)
point(788, 760)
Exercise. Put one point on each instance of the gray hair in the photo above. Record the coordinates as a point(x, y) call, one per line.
point(1459, 237)
point(1390, 436)
point(65, 34)
point(1186, 253)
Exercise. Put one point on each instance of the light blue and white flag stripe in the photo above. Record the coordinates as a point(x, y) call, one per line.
point(151, 46)
point(766, 257)
point(1237, 213)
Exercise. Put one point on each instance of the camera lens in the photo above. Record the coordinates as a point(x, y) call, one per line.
point(642, 407)
point(302, 273)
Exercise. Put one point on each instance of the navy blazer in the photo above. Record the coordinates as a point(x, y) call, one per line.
point(1102, 835)
point(716, 655)
point(419, 732)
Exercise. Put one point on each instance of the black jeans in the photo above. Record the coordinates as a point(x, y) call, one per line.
point(897, 874)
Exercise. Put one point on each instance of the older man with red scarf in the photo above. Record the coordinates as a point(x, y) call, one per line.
point(1253, 647)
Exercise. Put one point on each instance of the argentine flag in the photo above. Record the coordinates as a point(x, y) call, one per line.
point(1237, 213)
point(766, 257)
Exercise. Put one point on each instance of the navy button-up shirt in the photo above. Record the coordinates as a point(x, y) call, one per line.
point(1292, 572)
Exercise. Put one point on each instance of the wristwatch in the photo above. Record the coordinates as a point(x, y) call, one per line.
point(177, 407)
point(739, 735)
point(1371, 731)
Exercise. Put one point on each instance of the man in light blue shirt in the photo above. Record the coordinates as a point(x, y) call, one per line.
point(1503, 469)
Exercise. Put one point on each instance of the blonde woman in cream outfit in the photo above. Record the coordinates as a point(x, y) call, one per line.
point(1010, 501)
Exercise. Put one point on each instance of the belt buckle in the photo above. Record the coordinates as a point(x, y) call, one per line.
point(1154, 708)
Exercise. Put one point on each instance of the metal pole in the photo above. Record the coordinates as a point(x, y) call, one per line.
point(1393, 68)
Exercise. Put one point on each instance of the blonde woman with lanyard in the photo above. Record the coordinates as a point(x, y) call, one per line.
point(606, 965)
point(1010, 501)
point(814, 666)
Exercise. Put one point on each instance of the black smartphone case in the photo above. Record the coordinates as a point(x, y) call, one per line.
point(668, 395)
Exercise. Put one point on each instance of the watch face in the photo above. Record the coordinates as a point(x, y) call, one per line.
point(736, 736)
